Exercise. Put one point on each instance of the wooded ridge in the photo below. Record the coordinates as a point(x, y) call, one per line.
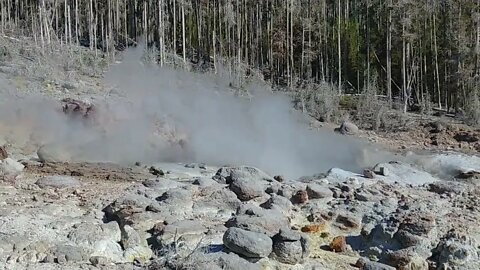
point(418, 50)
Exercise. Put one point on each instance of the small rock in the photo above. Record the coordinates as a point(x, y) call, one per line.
point(315, 228)
point(3, 153)
point(70, 253)
point(58, 181)
point(109, 249)
point(204, 182)
point(155, 171)
point(279, 178)
point(287, 235)
point(131, 238)
point(141, 254)
point(154, 207)
point(318, 192)
point(405, 259)
point(347, 221)
point(98, 260)
point(369, 174)
point(248, 244)
point(382, 170)
point(49, 259)
point(366, 264)
point(300, 197)
point(339, 244)
point(278, 202)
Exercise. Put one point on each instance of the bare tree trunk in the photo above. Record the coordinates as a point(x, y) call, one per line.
point(436, 63)
point(214, 38)
point(145, 24)
point(69, 25)
point(161, 31)
point(90, 25)
point(183, 34)
point(303, 51)
point(389, 56)
point(339, 49)
point(174, 28)
point(404, 71)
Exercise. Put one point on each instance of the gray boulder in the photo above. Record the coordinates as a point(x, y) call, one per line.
point(288, 247)
point(53, 153)
point(219, 261)
point(131, 238)
point(243, 172)
point(456, 251)
point(248, 244)
point(10, 166)
point(68, 253)
point(318, 192)
point(366, 264)
point(256, 219)
point(58, 181)
point(246, 189)
point(278, 202)
point(348, 128)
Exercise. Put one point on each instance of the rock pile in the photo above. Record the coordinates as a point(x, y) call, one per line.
point(241, 218)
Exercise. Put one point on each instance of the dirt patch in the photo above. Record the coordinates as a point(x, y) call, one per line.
point(97, 171)
point(429, 134)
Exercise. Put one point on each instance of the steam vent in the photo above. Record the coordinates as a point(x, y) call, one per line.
point(240, 135)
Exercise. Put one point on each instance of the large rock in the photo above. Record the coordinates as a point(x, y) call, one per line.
point(456, 251)
point(131, 238)
point(138, 253)
point(10, 166)
point(288, 247)
point(248, 244)
point(53, 153)
point(243, 172)
point(191, 233)
point(318, 192)
point(255, 219)
point(68, 253)
point(87, 234)
point(218, 261)
point(449, 165)
point(216, 198)
point(348, 128)
point(279, 203)
point(58, 181)
point(162, 184)
point(403, 174)
point(246, 189)
point(109, 249)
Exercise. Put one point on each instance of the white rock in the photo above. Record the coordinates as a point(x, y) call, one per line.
point(10, 166)
point(109, 249)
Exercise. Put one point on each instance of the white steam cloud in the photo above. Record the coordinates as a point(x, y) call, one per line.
point(199, 121)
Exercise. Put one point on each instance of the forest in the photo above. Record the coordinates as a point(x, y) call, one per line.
point(413, 52)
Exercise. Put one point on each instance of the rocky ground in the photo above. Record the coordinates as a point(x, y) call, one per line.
point(192, 216)
point(56, 213)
